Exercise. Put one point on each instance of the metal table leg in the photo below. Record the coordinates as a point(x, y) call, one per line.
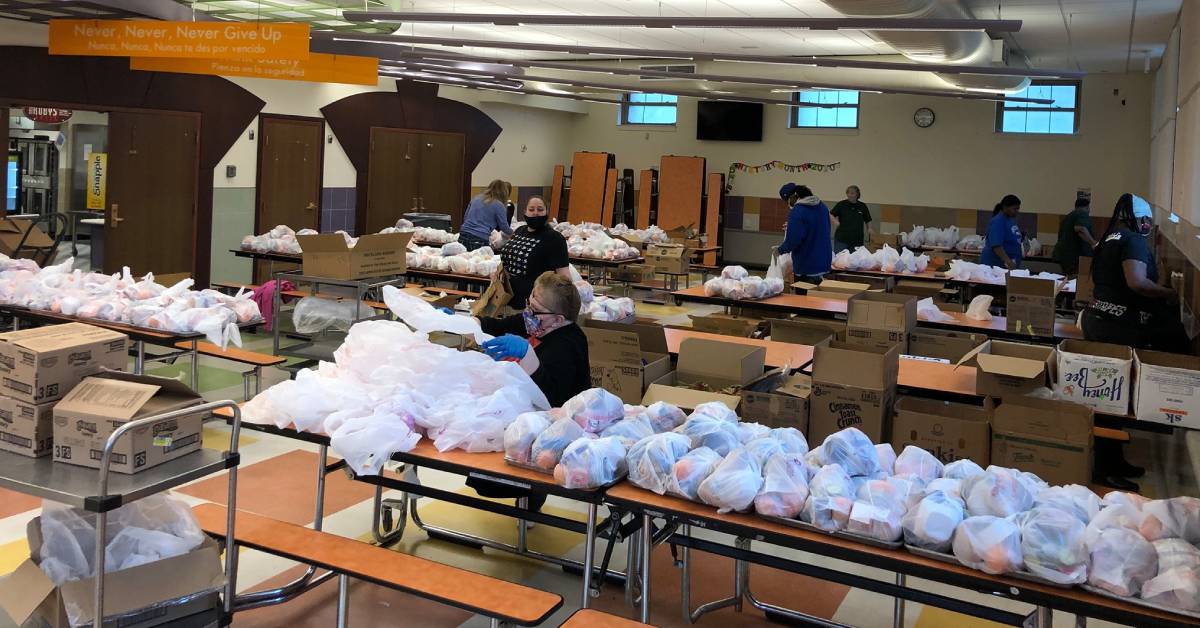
point(195, 364)
point(589, 554)
point(343, 601)
point(522, 531)
point(646, 548)
point(898, 608)
point(139, 357)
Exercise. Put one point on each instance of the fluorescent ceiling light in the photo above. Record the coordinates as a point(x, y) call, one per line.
point(774, 23)
point(630, 53)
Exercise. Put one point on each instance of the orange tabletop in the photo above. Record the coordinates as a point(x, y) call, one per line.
point(797, 302)
point(778, 353)
point(938, 376)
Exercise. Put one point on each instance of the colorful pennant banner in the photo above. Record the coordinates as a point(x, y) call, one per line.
point(775, 165)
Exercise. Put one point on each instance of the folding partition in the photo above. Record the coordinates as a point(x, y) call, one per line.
point(680, 192)
point(610, 198)
point(556, 193)
point(647, 199)
point(589, 181)
point(713, 211)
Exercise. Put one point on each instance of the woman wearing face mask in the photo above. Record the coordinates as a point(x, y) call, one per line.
point(1002, 245)
point(533, 250)
point(1129, 306)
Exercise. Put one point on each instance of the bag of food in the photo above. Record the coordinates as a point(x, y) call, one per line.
point(750, 431)
point(714, 410)
point(916, 461)
point(548, 447)
point(785, 486)
point(734, 484)
point(1176, 553)
point(887, 457)
point(1133, 500)
point(1178, 517)
point(1119, 516)
point(951, 487)
point(999, 492)
point(930, 524)
point(652, 459)
point(630, 430)
point(878, 508)
point(716, 434)
point(520, 434)
point(1073, 498)
point(368, 442)
point(664, 416)
point(989, 544)
point(791, 440)
point(591, 462)
point(763, 448)
point(1177, 588)
point(1052, 545)
point(1122, 561)
point(830, 499)
point(852, 450)
point(690, 470)
point(594, 409)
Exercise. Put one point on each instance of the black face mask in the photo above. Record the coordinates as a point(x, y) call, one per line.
point(535, 223)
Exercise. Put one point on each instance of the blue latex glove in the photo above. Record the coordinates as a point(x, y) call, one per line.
point(507, 346)
point(445, 310)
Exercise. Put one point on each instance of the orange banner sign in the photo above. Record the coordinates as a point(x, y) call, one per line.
point(197, 40)
point(320, 68)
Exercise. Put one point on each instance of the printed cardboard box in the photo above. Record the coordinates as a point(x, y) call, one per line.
point(720, 368)
point(725, 324)
point(943, 344)
point(375, 255)
point(1095, 374)
point(778, 399)
point(1010, 369)
point(880, 320)
point(25, 428)
point(950, 431)
point(625, 358)
point(1052, 439)
point(853, 386)
point(667, 258)
point(632, 273)
point(86, 417)
point(1030, 306)
point(1168, 388)
point(42, 364)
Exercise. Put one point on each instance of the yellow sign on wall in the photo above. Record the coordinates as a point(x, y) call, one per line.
point(202, 40)
point(319, 68)
point(97, 180)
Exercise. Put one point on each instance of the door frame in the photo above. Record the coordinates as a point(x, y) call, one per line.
point(258, 164)
point(360, 216)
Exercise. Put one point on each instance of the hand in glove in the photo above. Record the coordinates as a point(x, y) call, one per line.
point(445, 310)
point(507, 346)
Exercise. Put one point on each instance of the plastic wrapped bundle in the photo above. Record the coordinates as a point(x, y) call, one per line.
point(734, 272)
point(830, 499)
point(1133, 500)
point(1177, 588)
point(750, 431)
point(664, 416)
point(1118, 516)
point(690, 470)
point(1178, 517)
point(791, 440)
point(1176, 553)
point(852, 450)
point(520, 434)
point(998, 492)
point(930, 524)
point(989, 544)
point(1073, 498)
point(887, 457)
point(1052, 545)
point(877, 511)
point(950, 487)
point(1121, 561)
point(714, 410)
point(588, 463)
point(785, 486)
point(367, 443)
point(916, 461)
point(653, 458)
point(720, 436)
point(962, 469)
point(763, 448)
point(629, 430)
point(548, 447)
point(734, 484)
point(594, 409)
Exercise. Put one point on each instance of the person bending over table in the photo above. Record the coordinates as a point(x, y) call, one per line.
point(806, 235)
point(1075, 237)
point(533, 250)
point(486, 213)
point(1002, 245)
point(849, 217)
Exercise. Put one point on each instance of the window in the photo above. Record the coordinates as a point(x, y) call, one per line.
point(1059, 118)
point(642, 108)
point(825, 109)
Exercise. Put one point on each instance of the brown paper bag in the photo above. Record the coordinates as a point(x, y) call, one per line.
point(496, 296)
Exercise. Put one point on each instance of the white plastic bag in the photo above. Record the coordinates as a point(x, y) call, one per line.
point(1177, 588)
point(690, 470)
point(962, 469)
point(927, 310)
point(423, 317)
point(520, 434)
point(588, 463)
point(664, 416)
point(652, 460)
point(785, 486)
point(734, 484)
point(791, 440)
point(887, 457)
point(548, 447)
point(630, 430)
point(930, 524)
point(877, 510)
point(830, 499)
point(594, 409)
point(1133, 500)
point(1073, 498)
point(715, 410)
point(367, 443)
point(1121, 562)
point(852, 450)
point(763, 448)
point(978, 308)
point(1178, 517)
point(1052, 545)
point(718, 435)
point(998, 492)
point(1118, 516)
point(989, 544)
point(916, 461)
point(751, 431)
point(1176, 553)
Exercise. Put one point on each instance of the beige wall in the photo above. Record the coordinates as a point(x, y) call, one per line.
point(958, 162)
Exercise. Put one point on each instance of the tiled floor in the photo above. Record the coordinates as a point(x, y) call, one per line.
point(277, 479)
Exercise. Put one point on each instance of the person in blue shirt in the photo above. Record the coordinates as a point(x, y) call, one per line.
point(486, 213)
point(1002, 245)
point(807, 235)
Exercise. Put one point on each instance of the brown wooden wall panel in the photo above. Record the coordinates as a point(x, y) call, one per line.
point(680, 188)
point(556, 192)
point(588, 174)
point(712, 213)
point(610, 198)
point(644, 203)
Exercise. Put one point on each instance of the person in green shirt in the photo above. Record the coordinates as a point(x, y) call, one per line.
point(849, 218)
point(1075, 237)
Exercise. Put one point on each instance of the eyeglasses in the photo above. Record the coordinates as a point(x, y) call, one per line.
point(533, 312)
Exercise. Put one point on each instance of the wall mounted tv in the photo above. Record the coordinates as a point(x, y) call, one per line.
point(728, 121)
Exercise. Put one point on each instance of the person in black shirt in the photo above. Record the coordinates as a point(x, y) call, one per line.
point(850, 216)
point(533, 250)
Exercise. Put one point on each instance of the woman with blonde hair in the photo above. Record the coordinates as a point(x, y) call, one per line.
point(486, 213)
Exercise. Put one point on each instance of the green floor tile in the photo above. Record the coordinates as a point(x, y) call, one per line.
point(211, 377)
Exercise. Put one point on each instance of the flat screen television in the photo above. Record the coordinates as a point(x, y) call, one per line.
point(727, 121)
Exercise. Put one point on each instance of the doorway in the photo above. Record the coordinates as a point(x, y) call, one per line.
point(291, 154)
point(410, 171)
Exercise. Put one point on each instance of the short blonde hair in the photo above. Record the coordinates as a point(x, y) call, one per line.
point(558, 294)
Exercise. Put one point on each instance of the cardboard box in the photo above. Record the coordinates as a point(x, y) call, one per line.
point(879, 283)
point(803, 331)
point(432, 297)
point(1010, 369)
point(1030, 306)
point(138, 597)
point(950, 431)
point(821, 294)
point(778, 399)
point(853, 386)
point(42, 364)
point(1050, 438)
point(375, 255)
point(25, 428)
point(720, 368)
point(725, 324)
point(625, 358)
point(832, 285)
point(1095, 374)
point(86, 417)
point(918, 288)
point(1083, 283)
point(876, 240)
point(667, 258)
point(943, 344)
point(880, 320)
point(1167, 389)
point(11, 232)
point(632, 273)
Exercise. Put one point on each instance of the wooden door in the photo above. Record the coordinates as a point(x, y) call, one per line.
point(393, 177)
point(441, 182)
point(151, 196)
point(290, 153)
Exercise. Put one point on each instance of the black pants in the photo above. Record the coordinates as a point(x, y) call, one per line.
point(1163, 332)
point(471, 242)
point(498, 490)
point(813, 279)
